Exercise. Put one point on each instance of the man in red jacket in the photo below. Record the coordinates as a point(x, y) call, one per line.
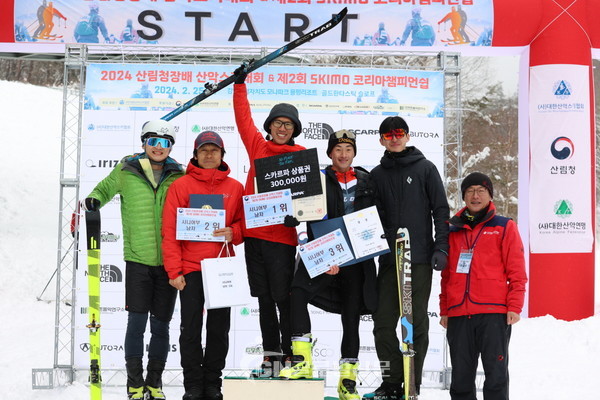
point(206, 173)
point(270, 251)
point(483, 290)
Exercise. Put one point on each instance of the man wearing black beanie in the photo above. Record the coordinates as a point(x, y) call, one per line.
point(483, 291)
point(270, 251)
point(409, 194)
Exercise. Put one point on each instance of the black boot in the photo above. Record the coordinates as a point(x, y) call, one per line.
point(213, 392)
point(135, 378)
point(154, 380)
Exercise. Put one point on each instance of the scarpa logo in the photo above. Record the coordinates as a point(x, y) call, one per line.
point(317, 130)
point(563, 208)
point(562, 148)
point(562, 89)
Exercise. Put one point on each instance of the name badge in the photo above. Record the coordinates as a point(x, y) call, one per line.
point(464, 262)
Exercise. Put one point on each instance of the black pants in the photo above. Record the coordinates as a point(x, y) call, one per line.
point(469, 337)
point(270, 268)
point(147, 290)
point(386, 318)
point(201, 369)
point(350, 283)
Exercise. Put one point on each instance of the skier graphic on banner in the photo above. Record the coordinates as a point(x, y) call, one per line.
point(48, 15)
point(86, 30)
point(381, 37)
point(420, 30)
point(40, 17)
point(455, 19)
point(129, 35)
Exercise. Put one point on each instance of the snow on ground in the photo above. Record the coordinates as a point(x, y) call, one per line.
point(550, 359)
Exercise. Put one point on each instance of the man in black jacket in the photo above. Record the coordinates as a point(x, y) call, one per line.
point(408, 193)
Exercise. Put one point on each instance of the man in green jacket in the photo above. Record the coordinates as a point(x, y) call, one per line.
point(142, 181)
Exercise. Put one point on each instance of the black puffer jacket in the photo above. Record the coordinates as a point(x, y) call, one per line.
point(323, 289)
point(409, 193)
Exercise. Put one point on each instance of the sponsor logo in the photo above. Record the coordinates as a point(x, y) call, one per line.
point(215, 128)
point(109, 237)
point(562, 89)
point(367, 349)
point(105, 310)
point(491, 233)
point(317, 131)
point(85, 347)
point(108, 127)
point(563, 208)
point(424, 135)
point(101, 163)
point(562, 148)
point(109, 273)
point(253, 350)
point(248, 311)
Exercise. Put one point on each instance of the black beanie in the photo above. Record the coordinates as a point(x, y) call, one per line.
point(284, 110)
point(342, 136)
point(477, 178)
point(391, 123)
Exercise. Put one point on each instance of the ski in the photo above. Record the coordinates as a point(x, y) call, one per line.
point(212, 88)
point(92, 221)
point(403, 270)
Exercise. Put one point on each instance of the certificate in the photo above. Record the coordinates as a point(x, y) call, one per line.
point(264, 209)
point(325, 252)
point(365, 232)
point(198, 224)
point(312, 208)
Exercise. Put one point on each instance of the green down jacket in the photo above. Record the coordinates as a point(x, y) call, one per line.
point(142, 203)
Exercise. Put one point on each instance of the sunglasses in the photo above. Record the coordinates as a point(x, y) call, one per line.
point(396, 133)
point(345, 133)
point(155, 141)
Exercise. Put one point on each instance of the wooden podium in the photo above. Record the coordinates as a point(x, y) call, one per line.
point(273, 389)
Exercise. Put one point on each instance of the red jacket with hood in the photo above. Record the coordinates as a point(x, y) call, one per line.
point(496, 279)
point(183, 256)
point(258, 147)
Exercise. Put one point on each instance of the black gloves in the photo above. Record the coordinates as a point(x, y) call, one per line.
point(240, 73)
point(91, 204)
point(290, 221)
point(439, 260)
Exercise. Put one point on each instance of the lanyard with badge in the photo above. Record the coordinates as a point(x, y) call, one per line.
point(466, 255)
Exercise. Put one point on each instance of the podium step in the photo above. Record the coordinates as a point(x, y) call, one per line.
point(273, 389)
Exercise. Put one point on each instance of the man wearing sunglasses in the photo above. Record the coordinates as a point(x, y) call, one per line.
point(142, 181)
point(408, 193)
point(270, 251)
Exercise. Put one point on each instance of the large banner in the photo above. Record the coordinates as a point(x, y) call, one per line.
point(560, 204)
point(121, 97)
point(254, 22)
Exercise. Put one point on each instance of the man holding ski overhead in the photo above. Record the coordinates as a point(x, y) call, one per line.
point(408, 194)
point(483, 290)
point(270, 251)
point(142, 181)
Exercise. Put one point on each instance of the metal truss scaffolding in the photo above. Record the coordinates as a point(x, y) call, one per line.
point(77, 57)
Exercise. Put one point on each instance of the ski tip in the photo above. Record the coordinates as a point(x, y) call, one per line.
point(342, 13)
